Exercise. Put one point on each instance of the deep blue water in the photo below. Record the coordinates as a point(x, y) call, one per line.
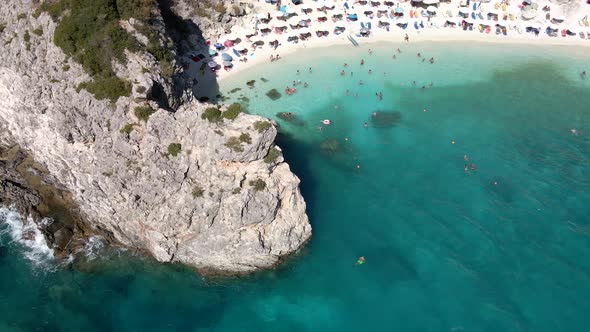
point(504, 247)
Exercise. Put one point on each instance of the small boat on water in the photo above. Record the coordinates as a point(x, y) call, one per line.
point(290, 91)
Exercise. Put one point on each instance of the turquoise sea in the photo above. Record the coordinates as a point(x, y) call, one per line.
point(502, 247)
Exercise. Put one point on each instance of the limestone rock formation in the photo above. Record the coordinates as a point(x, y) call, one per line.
point(178, 186)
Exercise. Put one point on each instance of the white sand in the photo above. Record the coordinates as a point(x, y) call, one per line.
point(433, 31)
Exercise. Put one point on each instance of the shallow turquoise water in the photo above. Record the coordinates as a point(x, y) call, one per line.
point(445, 250)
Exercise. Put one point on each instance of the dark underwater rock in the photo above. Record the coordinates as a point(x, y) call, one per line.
point(386, 119)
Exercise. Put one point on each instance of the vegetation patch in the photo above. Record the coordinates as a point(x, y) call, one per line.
point(258, 184)
point(234, 144)
point(232, 111)
point(245, 138)
point(143, 113)
point(2, 27)
point(90, 33)
point(273, 94)
point(272, 155)
point(174, 149)
point(21, 16)
point(127, 129)
point(38, 32)
point(262, 126)
point(140, 89)
point(236, 191)
point(106, 87)
point(66, 67)
point(27, 36)
point(198, 191)
point(212, 114)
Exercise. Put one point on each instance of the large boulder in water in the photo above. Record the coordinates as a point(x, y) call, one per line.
point(385, 119)
point(291, 118)
point(273, 94)
point(330, 146)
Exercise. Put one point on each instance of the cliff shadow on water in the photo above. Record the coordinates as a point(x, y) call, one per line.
point(192, 54)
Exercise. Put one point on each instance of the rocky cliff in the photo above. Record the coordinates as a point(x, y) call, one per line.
point(215, 195)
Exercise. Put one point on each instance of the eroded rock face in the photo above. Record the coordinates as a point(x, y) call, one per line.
point(200, 207)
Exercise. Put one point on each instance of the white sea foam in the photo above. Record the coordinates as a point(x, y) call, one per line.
point(93, 247)
point(27, 235)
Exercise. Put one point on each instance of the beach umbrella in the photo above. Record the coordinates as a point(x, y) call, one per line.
point(398, 10)
point(528, 2)
point(228, 43)
point(384, 21)
point(382, 8)
point(431, 9)
point(280, 25)
point(401, 22)
point(218, 45)
point(352, 17)
point(279, 14)
point(337, 12)
point(227, 64)
point(304, 31)
point(262, 26)
point(226, 57)
point(290, 11)
point(430, 2)
point(261, 16)
point(212, 52)
point(303, 18)
point(340, 25)
point(240, 48)
point(257, 42)
point(320, 4)
point(212, 64)
point(231, 37)
point(329, 4)
point(305, 7)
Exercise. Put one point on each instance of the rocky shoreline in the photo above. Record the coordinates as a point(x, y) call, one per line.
point(211, 193)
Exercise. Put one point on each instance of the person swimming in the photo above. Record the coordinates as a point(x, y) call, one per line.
point(370, 71)
point(365, 125)
point(361, 82)
point(394, 57)
point(465, 157)
point(362, 62)
point(473, 168)
point(466, 168)
point(347, 92)
point(398, 50)
point(431, 60)
point(419, 55)
point(342, 73)
point(370, 51)
point(310, 70)
point(583, 74)
point(360, 261)
point(305, 85)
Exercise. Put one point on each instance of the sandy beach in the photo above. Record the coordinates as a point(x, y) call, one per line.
point(496, 22)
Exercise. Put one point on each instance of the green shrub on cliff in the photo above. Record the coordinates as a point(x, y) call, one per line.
point(143, 113)
point(272, 155)
point(232, 111)
point(212, 114)
point(90, 33)
point(261, 126)
point(258, 184)
point(174, 149)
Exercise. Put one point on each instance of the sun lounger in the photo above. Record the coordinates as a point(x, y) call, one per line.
point(369, 25)
point(422, 24)
point(363, 25)
point(416, 25)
